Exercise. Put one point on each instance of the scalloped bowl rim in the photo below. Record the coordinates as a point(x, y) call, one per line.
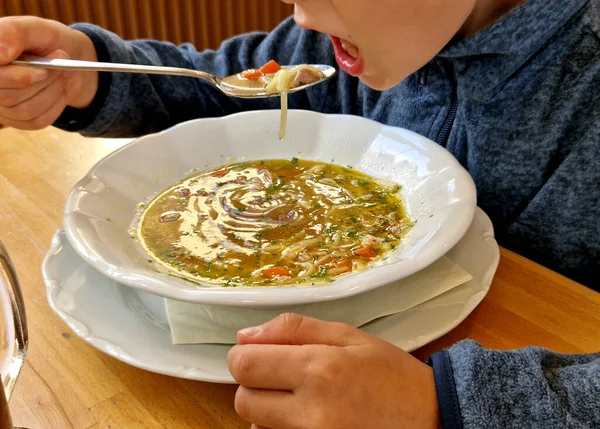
point(172, 288)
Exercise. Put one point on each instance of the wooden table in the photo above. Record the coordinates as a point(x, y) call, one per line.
point(66, 383)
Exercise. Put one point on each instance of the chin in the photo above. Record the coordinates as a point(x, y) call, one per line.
point(378, 82)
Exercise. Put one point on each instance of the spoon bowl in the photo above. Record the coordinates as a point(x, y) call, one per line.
point(233, 86)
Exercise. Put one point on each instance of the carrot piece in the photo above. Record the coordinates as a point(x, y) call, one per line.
point(221, 173)
point(344, 263)
point(269, 273)
point(270, 67)
point(251, 74)
point(365, 252)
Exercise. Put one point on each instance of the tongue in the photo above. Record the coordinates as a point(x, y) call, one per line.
point(350, 48)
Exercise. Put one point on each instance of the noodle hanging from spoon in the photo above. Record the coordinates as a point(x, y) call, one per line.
point(284, 109)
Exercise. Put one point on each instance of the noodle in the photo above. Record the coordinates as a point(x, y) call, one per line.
point(279, 80)
point(284, 109)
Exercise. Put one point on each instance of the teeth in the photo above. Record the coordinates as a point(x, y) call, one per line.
point(350, 48)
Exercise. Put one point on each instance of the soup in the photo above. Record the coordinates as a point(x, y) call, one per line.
point(273, 222)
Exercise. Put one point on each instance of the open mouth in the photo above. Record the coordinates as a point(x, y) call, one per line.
point(347, 56)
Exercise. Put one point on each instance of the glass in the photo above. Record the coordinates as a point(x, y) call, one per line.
point(13, 333)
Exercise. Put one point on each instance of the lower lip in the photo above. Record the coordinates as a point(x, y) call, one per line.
point(352, 66)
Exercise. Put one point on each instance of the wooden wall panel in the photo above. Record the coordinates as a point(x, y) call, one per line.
point(206, 23)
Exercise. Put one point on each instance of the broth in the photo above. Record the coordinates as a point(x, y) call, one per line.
point(273, 222)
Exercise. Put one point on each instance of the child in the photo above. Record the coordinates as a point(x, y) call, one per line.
point(508, 86)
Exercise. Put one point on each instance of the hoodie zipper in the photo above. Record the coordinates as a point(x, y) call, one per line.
point(444, 134)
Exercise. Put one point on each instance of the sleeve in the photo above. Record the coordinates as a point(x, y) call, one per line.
point(526, 388)
point(128, 105)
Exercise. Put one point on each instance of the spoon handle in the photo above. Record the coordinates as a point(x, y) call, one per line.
point(61, 64)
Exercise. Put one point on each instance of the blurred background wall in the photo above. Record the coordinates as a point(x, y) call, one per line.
point(205, 23)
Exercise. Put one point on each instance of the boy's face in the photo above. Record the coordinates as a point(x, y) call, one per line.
point(384, 41)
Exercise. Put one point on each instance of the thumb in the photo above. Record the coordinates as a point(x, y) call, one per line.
point(294, 329)
point(62, 55)
point(10, 46)
point(27, 34)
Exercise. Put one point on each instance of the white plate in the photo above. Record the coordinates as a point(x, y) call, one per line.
point(131, 325)
point(438, 193)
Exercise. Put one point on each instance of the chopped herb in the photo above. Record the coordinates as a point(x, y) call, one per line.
point(352, 233)
point(321, 273)
point(331, 230)
point(294, 159)
point(280, 183)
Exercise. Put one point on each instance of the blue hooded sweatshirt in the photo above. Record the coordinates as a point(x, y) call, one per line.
point(518, 104)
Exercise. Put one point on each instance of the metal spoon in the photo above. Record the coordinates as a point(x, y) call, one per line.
point(233, 86)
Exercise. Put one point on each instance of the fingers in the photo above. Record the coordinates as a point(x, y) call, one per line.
point(16, 77)
point(33, 102)
point(268, 408)
point(45, 119)
point(36, 105)
point(27, 34)
point(268, 366)
point(294, 329)
point(20, 77)
point(12, 97)
point(28, 105)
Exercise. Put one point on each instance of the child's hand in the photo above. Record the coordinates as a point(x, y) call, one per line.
point(34, 98)
point(302, 373)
